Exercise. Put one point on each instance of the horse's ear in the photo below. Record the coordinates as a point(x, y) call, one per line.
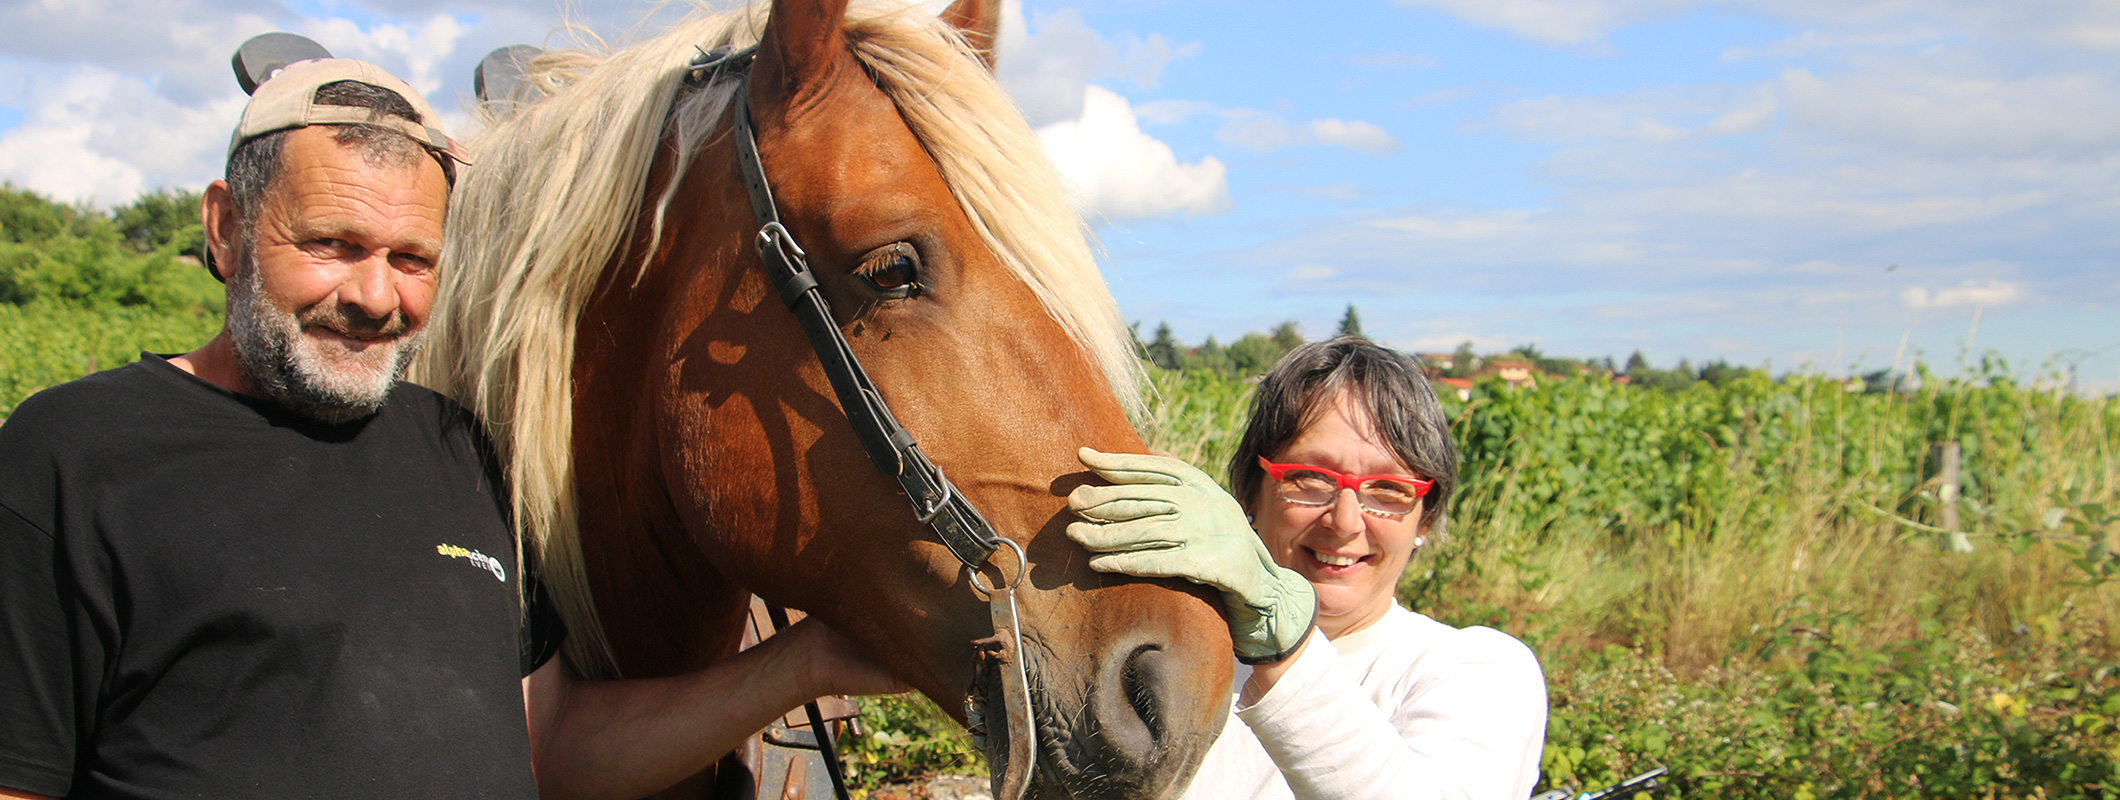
point(803, 36)
point(980, 20)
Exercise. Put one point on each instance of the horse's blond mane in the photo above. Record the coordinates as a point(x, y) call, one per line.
point(559, 185)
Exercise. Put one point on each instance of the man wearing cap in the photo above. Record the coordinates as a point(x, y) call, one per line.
point(265, 568)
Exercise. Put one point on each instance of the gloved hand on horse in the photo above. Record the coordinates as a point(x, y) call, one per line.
point(1163, 518)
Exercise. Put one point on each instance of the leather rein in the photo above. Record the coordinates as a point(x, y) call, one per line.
point(935, 501)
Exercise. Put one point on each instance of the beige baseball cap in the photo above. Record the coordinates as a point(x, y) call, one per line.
point(288, 100)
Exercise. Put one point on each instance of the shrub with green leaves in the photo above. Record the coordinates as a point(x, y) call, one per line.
point(46, 344)
point(144, 254)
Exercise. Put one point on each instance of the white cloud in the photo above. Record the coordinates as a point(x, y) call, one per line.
point(1448, 342)
point(413, 52)
point(124, 96)
point(1811, 42)
point(1145, 59)
point(1585, 24)
point(1355, 134)
point(1334, 191)
point(1747, 117)
point(1046, 72)
point(186, 43)
point(1256, 131)
point(1460, 226)
point(1170, 112)
point(1945, 107)
point(93, 135)
point(1565, 23)
point(1969, 293)
point(1302, 273)
point(1118, 172)
point(1392, 60)
point(1658, 115)
point(1261, 132)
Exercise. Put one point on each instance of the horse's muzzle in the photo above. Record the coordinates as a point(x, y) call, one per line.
point(1134, 727)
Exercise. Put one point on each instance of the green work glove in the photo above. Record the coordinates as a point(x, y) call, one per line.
point(1162, 518)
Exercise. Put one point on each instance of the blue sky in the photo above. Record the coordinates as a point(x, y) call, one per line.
point(1801, 182)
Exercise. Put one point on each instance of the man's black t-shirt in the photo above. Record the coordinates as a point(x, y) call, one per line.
point(203, 595)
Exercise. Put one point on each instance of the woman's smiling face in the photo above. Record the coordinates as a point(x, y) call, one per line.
point(1352, 558)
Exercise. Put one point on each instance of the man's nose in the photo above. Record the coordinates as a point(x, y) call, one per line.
point(371, 286)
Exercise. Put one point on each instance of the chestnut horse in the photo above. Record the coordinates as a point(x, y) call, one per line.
point(673, 444)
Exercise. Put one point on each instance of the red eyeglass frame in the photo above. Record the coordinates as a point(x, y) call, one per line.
point(1343, 480)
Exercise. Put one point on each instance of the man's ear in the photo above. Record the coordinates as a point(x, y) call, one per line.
point(217, 214)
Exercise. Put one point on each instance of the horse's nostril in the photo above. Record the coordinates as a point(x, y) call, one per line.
point(1131, 713)
point(1143, 679)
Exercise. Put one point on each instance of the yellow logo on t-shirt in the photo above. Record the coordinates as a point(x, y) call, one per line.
point(477, 559)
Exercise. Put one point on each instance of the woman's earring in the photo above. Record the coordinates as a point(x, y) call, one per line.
point(1419, 542)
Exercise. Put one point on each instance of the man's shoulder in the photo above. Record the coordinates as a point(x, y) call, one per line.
point(107, 400)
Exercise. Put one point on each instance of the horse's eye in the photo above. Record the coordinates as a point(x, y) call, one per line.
point(892, 271)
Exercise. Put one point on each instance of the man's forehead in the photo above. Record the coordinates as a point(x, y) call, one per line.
point(327, 188)
point(313, 160)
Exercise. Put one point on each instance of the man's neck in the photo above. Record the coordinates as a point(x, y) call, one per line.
point(215, 363)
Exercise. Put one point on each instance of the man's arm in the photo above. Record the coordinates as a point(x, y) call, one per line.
point(632, 738)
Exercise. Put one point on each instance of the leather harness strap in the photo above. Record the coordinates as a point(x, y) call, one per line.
point(936, 502)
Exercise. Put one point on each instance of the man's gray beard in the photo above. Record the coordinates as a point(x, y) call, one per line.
point(285, 366)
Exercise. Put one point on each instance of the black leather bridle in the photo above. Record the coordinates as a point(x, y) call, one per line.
point(936, 502)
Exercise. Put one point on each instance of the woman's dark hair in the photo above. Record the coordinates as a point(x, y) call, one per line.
point(1386, 382)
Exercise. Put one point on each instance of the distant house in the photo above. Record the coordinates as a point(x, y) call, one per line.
point(1462, 385)
point(1511, 371)
point(1438, 361)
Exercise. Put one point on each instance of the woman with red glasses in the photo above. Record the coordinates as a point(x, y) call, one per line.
point(1344, 472)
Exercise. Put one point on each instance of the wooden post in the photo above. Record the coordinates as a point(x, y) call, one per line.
point(1947, 457)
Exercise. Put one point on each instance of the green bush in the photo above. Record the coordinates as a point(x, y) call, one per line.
point(906, 737)
point(141, 255)
point(45, 344)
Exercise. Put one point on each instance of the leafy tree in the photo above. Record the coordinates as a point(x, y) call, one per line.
point(1163, 350)
point(1254, 354)
point(1210, 357)
point(1351, 324)
point(1636, 363)
point(1464, 362)
point(29, 218)
point(1720, 372)
point(163, 218)
point(1286, 337)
